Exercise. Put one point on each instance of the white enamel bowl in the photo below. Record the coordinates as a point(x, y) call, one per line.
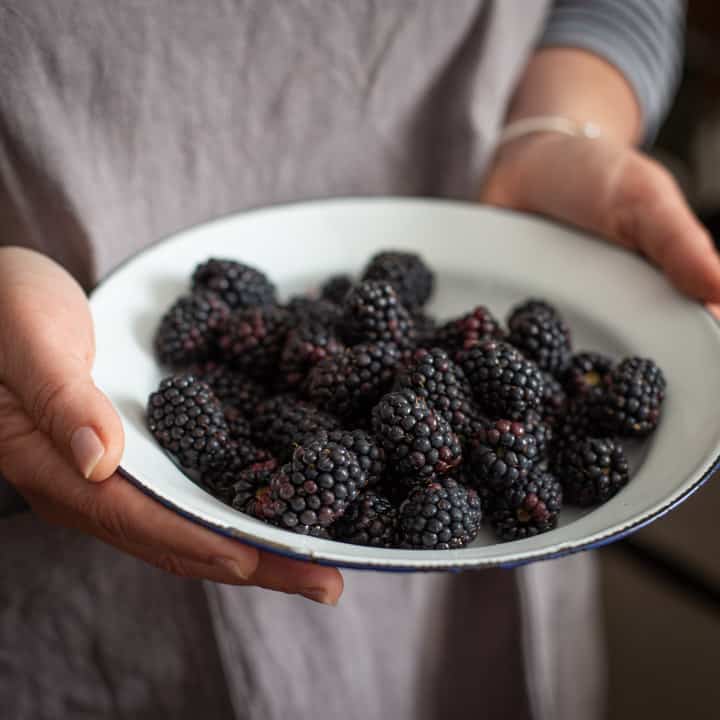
point(613, 301)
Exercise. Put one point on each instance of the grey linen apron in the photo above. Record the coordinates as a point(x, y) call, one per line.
point(122, 121)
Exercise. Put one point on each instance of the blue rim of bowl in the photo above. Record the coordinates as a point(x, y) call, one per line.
point(456, 566)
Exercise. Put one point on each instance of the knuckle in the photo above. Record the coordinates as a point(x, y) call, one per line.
point(106, 516)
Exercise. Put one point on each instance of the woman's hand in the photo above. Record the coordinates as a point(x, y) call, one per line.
point(614, 191)
point(61, 441)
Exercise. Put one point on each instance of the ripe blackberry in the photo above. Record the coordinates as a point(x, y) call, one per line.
point(370, 520)
point(315, 488)
point(253, 339)
point(411, 278)
point(350, 383)
point(504, 383)
point(248, 481)
point(441, 516)
point(283, 422)
point(372, 313)
point(572, 426)
point(585, 371)
point(527, 508)
point(188, 331)
point(503, 452)
point(535, 306)
point(239, 285)
point(592, 470)
point(233, 389)
point(304, 309)
point(630, 399)
point(187, 420)
point(417, 440)
point(369, 452)
point(305, 346)
point(541, 336)
point(221, 481)
point(433, 376)
point(335, 288)
point(540, 429)
point(554, 399)
point(468, 330)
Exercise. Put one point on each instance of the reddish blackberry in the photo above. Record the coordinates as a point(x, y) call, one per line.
point(504, 383)
point(369, 452)
point(370, 520)
point(188, 331)
point(253, 339)
point(248, 481)
point(233, 389)
point(468, 330)
point(373, 313)
point(283, 422)
point(335, 288)
point(592, 470)
point(239, 285)
point(440, 516)
point(585, 371)
point(527, 508)
point(411, 278)
point(317, 486)
point(418, 441)
point(304, 309)
point(554, 399)
point(630, 399)
point(305, 346)
point(541, 336)
point(220, 481)
point(349, 384)
point(186, 418)
point(502, 453)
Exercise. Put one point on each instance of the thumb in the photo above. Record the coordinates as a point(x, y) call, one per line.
point(46, 354)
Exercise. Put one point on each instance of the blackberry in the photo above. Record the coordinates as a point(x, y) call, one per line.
point(433, 376)
point(442, 516)
point(572, 426)
point(504, 383)
point(535, 306)
point(503, 452)
point(417, 440)
point(425, 329)
point(536, 426)
point(239, 285)
point(411, 278)
point(585, 371)
point(630, 399)
point(335, 288)
point(372, 313)
point(238, 425)
point(527, 508)
point(468, 330)
point(248, 481)
point(304, 309)
point(350, 383)
point(220, 481)
point(253, 340)
point(554, 399)
point(233, 389)
point(283, 422)
point(188, 330)
point(305, 346)
point(315, 488)
point(369, 452)
point(370, 520)
point(187, 420)
point(541, 336)
point(592, 470)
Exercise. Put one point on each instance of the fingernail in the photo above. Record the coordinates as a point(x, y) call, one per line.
point(318, 595)
point(87, 450)
point(233, 567)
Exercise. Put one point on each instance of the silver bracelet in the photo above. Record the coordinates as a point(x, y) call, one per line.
point(547, 123)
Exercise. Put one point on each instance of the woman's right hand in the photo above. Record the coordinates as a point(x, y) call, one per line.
point(61, 442)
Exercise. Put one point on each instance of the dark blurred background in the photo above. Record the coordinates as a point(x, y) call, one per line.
point(661, 587)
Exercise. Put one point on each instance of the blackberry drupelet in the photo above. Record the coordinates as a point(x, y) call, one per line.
point(305, 346)
point(527, 508)
point(370, 520)
point(504, 383)
point(233, 389)
point(630, 399)
point(305, 309)
point(592, 470)
point(335, 288)
point(369, 452)
point(411, 278)
point(373, 313)
point(253, 339)
point(187, 420)
point(441, 516)
point(350, 383)
point(283, 422)
point(541, 336)
point(188, 331)
point(248, 481)
point(418, 441)
point(468, 330)
point(585, 371)
point(502, 453)
point(239, 285)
